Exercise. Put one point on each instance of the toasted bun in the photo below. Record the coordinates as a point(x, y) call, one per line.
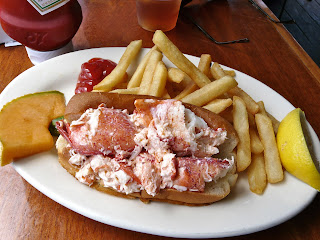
point(214, 191)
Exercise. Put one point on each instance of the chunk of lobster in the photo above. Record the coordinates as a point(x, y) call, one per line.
point(100, 131)
point(193, 172)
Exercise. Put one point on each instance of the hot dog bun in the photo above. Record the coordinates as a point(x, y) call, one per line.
point(214, 191)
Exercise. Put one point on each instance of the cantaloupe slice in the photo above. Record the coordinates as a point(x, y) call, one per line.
point(24, 124)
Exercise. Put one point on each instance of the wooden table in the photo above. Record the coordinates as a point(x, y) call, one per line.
point(272, 56)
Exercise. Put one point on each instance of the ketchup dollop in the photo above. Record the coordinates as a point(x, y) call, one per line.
point(93, 72)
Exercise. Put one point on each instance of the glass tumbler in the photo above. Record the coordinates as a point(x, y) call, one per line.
point(158, 14)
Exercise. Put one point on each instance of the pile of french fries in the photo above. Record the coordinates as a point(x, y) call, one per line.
point(208, 86)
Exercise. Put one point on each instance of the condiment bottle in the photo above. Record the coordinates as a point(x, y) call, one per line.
point(44, 27)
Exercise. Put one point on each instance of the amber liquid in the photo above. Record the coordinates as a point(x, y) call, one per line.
point(158, 14)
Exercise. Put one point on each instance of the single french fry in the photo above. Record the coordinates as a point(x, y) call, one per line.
point(275, 122)
point(175, 75)
point(257, 177)
point(256, 145)
point(116, 76)
point(211, 91)
point(252, 106)
point(138, 74)
point(146, 81)
point(218, 105)
point(204, 64)
point(122, 84)
point(272, 159)
point(216, 71)
point(241, 125)
point(159, 80)
point(126, 90)
point(231, 73)
point(178, 59)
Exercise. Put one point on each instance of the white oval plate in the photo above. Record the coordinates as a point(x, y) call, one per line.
point(242, 212)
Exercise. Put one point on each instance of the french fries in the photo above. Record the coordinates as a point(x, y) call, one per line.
point(118, 73)
point(146, 81)
point(241, 125)
point(178, 59)
point(252, 106)
point(213, 88)
point(138, 74)
point(272, 159)
point(204, 66)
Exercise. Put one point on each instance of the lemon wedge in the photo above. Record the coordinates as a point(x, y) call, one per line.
point(295, 148)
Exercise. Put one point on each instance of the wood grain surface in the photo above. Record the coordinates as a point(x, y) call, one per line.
point(272, 56)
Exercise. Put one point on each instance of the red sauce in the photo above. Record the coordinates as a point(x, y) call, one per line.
point(93, 72)
point(22, 22)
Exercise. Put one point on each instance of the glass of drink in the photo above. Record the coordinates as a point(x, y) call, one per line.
point(158, 14)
